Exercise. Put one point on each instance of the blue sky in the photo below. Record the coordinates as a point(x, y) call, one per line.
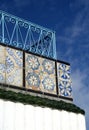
point(70, 20)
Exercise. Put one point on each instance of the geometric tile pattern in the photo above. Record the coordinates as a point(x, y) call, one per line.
point(64, 80)
point(40, 74)
point(2, 64)
point(11, 66)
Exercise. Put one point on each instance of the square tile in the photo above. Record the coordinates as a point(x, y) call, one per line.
point(40, 74)
point(14, 67)
point(14, 57)
point(15, 77)
point(2, 77)
point(11, 66)
point(64, 80)
point(63, 71)
point(48, 83)
point(65, 88)
point(2, 54)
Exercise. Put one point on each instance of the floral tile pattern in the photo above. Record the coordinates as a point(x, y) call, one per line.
point(15, 77)
point(48, 66)
point(14, 67)
point(48, 84)
point(11, 66)
point(33, 79)
point(2, 64)
point(33, 62)
point(14, 57)
point(2, 54)
point(65, 88)
point(2, 77)
point(64, 80)
point(40, 74)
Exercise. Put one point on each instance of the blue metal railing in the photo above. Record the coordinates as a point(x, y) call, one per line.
point(25, 35)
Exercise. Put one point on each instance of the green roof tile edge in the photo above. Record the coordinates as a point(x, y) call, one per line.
point(38, 101)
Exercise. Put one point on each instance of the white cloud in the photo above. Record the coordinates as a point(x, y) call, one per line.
point(78, 28)
point(81, 91)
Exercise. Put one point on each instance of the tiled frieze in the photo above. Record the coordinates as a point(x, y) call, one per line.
point(40, 74)
point(11, 66)
point(64, 80)
point(2, 64)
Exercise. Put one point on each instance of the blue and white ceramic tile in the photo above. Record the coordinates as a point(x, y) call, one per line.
point(40, 74)
point(11, 66)
point(48, 66)
point(2, 64)
point(33, 62)
point(65, 88)
point(2, 77)
point(48, 84)
point(15, 77)
point(2, 55)
point(14, 57)
point(14, 67)
point(63, 71)
point(33, 79)
point(64, 80)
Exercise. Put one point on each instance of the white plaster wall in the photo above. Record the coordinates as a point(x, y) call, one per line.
point(16, 116)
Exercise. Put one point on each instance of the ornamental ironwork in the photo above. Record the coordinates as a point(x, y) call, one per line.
point(25, 35)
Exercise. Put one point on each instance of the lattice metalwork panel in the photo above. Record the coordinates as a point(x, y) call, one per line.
point(26, 35)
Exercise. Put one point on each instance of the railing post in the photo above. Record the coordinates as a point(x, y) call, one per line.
point(17, 33)
point(54, 46)
point(3, 28)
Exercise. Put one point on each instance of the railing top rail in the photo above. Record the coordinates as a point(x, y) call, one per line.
point(28, 22)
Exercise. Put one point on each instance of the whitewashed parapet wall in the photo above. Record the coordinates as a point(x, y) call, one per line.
point(17, 116)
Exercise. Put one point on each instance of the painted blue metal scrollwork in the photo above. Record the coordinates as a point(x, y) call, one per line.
point(25, 35)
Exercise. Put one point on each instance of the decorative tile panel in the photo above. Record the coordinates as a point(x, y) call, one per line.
point(2, 77)
point(11, 66)
point(64, 80)
point(40, 74)
point(2, 55)
point(14, 57)
point(2, 64)
point(14, 77)
point(14, 67)
point(64, 88)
